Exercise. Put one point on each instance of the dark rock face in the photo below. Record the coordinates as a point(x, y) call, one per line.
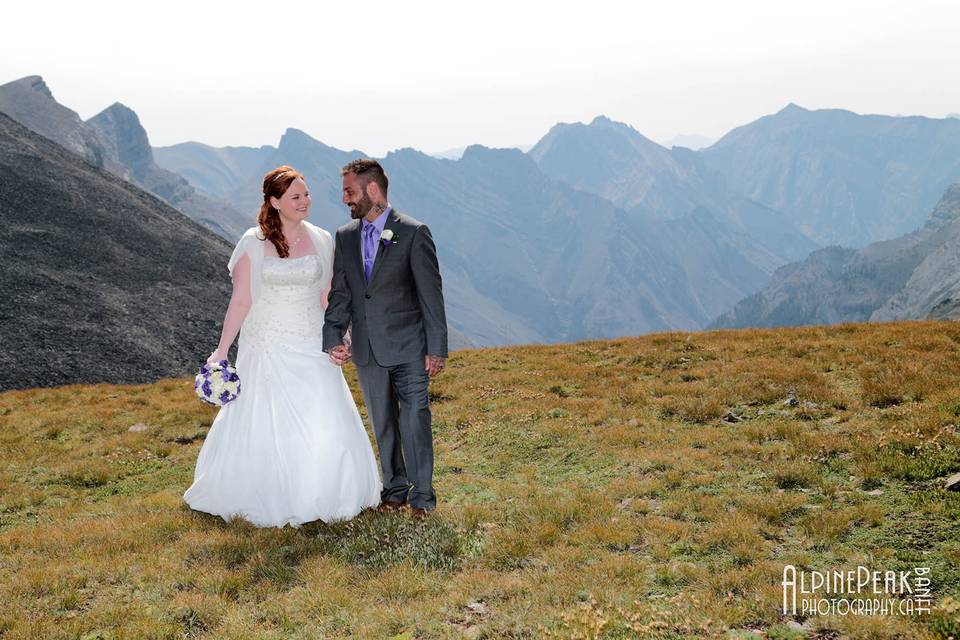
point(102, 282)
point(946, 309)
point(911, 277)
point(115, 140)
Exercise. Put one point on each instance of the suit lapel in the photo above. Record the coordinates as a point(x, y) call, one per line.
point(382, 248)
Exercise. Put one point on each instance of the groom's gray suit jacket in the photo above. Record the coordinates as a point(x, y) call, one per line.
point(399, 315)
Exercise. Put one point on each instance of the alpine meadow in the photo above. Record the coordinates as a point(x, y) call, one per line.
point(650, 487)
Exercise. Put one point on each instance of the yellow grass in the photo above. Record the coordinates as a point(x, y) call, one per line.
point(633, 488)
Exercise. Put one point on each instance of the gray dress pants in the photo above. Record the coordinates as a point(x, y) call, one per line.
point(398, 403)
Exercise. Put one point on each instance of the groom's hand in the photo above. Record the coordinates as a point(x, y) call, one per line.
point(434, 364)
point(340, 355)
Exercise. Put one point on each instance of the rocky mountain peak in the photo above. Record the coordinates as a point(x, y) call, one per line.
point(296, 139)
point(604, 123)
point(947, 209)
point(121, 113)
point(582, 141)
point(511, 164)
point(792, 108)
point(601, 120)
point(34, 84)
point(479, 151)
point(125, 139)
point(30, 102)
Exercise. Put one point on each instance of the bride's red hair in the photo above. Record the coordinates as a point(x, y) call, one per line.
point(275, 184)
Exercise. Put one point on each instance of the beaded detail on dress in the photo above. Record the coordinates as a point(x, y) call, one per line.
point(289, 311)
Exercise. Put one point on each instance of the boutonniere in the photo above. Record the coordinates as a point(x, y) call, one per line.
point(387, 237)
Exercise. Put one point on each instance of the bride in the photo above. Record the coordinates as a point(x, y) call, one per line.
point(291, 448)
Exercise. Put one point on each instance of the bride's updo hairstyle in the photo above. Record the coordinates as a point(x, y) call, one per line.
point(275, 184)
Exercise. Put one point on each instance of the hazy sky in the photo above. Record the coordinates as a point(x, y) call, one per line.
point(377, 75)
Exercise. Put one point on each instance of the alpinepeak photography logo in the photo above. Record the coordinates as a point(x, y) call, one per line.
point(858, 592)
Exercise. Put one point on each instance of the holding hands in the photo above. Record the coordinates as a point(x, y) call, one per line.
point(340, 355)
point(434, 364)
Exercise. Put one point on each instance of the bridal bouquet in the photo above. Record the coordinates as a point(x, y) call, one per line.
point(217, 383)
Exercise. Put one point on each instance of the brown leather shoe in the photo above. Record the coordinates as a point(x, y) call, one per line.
point(388, 506)
point(419, 513)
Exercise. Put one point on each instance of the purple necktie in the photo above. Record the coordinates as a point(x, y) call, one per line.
point(369, 249)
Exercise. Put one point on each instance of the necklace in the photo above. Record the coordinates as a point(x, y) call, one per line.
point(293, 244)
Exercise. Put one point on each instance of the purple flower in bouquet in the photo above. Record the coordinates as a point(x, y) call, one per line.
point(217, 383)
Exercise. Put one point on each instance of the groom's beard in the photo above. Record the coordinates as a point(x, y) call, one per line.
point(361, 208)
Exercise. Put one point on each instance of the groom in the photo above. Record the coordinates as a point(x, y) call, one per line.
point(386, 285)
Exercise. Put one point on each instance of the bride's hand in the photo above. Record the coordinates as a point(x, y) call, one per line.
point(216, 356)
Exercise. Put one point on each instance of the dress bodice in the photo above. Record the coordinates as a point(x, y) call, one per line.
point(289, 311)
point(292, 280)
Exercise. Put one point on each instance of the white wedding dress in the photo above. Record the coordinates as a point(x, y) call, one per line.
point(291, 448)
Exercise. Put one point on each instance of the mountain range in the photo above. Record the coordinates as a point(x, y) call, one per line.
point(916, 275)
point(835, 176)
point(594, 232)
point(842, 178)
point(617, 163)
point(528, 256)
point(101, 281)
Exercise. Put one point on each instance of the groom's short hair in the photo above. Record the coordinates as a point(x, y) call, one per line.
point(368, 171)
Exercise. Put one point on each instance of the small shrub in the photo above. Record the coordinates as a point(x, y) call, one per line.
point(86, 474)
point(793, 475)
point(564, 391)
point(696, 409)
point(377, 541)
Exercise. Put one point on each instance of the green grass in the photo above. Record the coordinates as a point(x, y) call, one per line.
point(637, 488)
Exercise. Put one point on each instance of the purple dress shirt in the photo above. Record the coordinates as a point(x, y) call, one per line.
point(369, 236)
